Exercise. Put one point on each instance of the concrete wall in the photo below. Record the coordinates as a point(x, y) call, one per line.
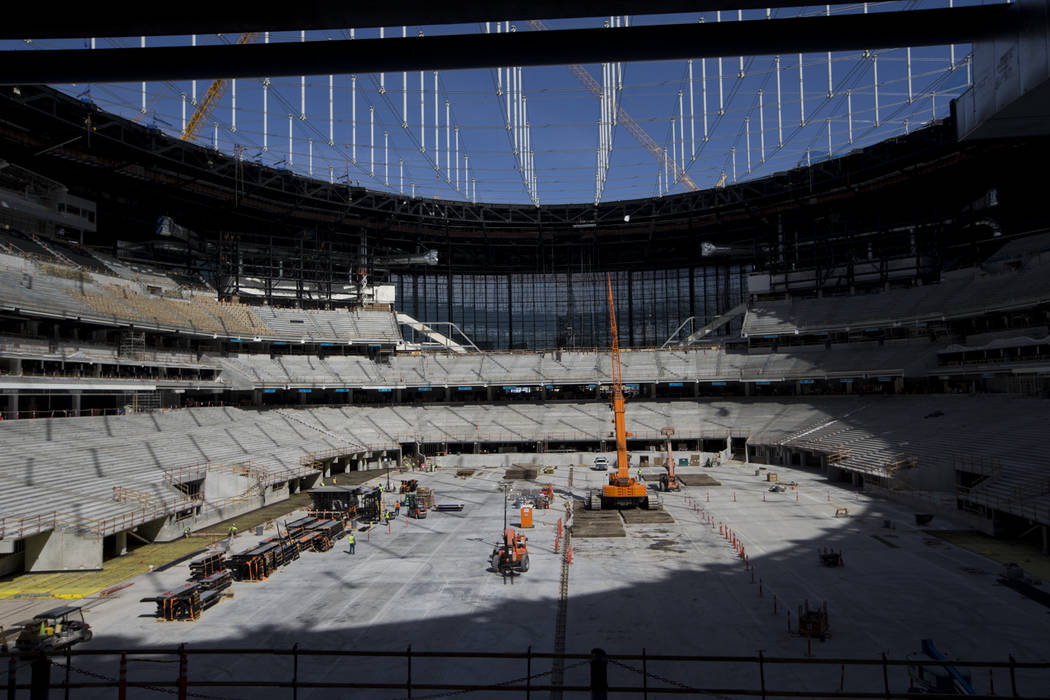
point(63, 550)
point(12, 563)
point(220, 484)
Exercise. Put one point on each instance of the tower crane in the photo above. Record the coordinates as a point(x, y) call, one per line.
point(622, 491)
point(211, 98)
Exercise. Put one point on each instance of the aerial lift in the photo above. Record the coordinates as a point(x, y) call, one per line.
point(512, 554)
point(622, 491)
point(669, 482)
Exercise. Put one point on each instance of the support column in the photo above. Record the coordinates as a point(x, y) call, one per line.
point(696, 390)
point(490, 392)
point(448, 393)
point(75, 403)
point(121, 545)
point(10, 411)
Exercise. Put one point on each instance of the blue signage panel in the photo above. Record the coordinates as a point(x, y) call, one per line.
point(805, 381)
point(718, 383)
point(846, 381)
point(384, 391)
point(423, 388)
point(675, 384)
point(269, 391)
point(465, 388)
point(762, 382)
point(885, 379)
point(342, 391)
point(305, 391)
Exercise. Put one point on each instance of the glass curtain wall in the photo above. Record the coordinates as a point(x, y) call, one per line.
point(570, 310)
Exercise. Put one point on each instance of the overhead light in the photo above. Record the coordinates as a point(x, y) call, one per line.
point(626, 218)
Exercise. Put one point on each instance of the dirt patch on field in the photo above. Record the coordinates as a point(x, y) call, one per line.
point(698, 480)
point(646, 517)
point(597, 523)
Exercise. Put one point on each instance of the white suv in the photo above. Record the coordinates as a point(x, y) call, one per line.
point(600, 464)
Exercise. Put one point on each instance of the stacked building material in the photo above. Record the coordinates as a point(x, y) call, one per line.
point(332, 529)
point(287, 550)
point(257, 563)
point(183, 603)
point(206, 566)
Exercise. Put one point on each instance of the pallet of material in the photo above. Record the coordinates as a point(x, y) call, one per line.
point(287, 550)
point(259, 562)
point(296, 527)
point(449, 507)
point(313, 540)
point(332, 529)
point(524, 472)
point(219, 581)
point(206, 566)
point(426, 495)
point(183, 603)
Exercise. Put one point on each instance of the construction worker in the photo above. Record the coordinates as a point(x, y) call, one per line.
point(233, 530)
point(397, 507)
point(350, 542)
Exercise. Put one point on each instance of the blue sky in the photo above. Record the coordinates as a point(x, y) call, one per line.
point(563, 116)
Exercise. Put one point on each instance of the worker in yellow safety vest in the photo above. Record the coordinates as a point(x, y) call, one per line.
point(350, 542)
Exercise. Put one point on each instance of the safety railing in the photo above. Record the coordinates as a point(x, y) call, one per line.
point(183, 672)
point(437, 435)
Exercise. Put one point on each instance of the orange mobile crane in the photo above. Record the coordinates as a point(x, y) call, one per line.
point(622, 491)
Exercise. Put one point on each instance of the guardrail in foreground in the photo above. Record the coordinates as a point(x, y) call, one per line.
point(294, 669)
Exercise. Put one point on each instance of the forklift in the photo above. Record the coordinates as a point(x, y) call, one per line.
point(415, 507)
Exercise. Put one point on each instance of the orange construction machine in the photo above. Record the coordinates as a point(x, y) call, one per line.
point(511, 554)
point(622, 491)
point(669, 481)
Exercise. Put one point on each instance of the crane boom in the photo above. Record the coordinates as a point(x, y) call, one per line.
point(623, 471)
point(211, 98)
point(626, 119)
point(622, 491)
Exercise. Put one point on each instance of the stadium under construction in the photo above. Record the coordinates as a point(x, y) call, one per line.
point(783, 435)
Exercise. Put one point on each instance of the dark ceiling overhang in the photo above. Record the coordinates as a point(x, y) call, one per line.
point(557, 47)
point(41, 21)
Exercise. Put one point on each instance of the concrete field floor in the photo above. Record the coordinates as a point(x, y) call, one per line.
point(672, 588)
